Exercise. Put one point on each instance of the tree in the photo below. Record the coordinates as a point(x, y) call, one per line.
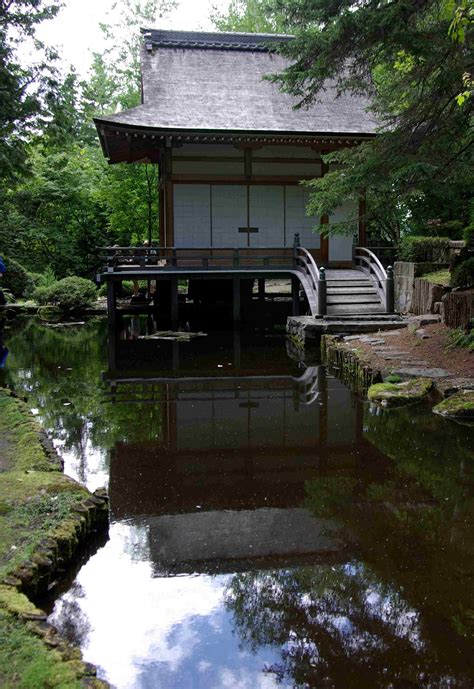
point(250, 16)
point(23, 89)
point(401, 56)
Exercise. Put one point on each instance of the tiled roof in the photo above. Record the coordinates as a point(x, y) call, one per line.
point(215, 82)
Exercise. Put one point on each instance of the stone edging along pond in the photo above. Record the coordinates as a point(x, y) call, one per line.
point(354, 369)
point(45, 520)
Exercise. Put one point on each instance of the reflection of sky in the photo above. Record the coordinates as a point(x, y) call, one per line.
point(158, 633)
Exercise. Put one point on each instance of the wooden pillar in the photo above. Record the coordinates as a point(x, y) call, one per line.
point(237, 349)
point(175, 355)
point(295, 295)
point(261, 290)
point(236, 300)
point(111, 303)
point(174, 301)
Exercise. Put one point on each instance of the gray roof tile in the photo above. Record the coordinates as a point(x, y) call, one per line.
point(215, 82)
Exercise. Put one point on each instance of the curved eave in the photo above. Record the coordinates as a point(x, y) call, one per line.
point(124, 142)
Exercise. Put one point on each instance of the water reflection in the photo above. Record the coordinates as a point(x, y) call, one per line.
point(268, 529)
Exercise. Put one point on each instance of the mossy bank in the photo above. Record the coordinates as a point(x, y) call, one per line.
point(45, 517)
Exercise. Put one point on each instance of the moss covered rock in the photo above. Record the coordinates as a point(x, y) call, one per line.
point(458, 407)
point(398, 394)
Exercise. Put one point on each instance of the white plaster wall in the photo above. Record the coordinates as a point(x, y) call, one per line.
point(192, 215)
point(229, 212)
point(340, 246)
point(297, 220)
point(266, 205)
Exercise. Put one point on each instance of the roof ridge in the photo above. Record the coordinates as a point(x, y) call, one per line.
point(227, 40)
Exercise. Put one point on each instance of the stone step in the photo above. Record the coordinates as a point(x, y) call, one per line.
point(346, 281)
point(351, 290)
point(353, 299)
point(360, 326)
point(355, 309)
point(367, 317)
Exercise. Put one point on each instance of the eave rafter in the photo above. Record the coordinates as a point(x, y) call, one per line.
point(130, 145)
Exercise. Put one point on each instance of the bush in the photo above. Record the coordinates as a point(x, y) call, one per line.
point(69, 294)
point(468, 236)
point(463, 275)
point(126, 291)
point(425, 249)
point(17, 279)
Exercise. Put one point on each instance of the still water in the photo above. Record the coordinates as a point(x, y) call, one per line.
point(268, 528)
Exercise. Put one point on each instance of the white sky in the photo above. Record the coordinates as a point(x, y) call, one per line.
point(75, 31)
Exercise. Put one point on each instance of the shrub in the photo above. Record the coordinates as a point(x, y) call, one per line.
point(125, 291)
point(425, 249)
point(463, 275)
point(17, 279)
point(69, 294)
point(451, 229)
point(45, 279)
point(468, 236)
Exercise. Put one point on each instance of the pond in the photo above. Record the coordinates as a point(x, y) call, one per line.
point(268, 527)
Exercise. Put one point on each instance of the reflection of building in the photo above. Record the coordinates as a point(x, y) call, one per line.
point(226, 481)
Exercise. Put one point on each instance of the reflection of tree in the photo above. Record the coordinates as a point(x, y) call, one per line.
point(60, 371)
point(69, 618)
point(334, 626)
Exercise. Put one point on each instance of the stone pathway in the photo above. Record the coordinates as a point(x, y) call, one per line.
point(408, 365)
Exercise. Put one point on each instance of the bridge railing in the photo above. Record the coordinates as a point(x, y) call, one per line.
point(367, 261)
point(142, 258)
point(305, 262)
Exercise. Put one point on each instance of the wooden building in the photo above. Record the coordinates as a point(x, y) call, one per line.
point(232, 151)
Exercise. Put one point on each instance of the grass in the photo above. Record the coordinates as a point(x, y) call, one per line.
point(460, 337)
point(439, 277)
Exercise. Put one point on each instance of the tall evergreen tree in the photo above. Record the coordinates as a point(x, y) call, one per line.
point(411, 63)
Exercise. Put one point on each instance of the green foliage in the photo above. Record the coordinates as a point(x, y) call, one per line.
point(249, 16)
point(17, 279)
point(463, 274)
point(468, 236)
point(69, 294)
point(462, 337)
point(425, 249)
point(125, 289)
point(400, 56)
point(439, 277)
point(24, 89)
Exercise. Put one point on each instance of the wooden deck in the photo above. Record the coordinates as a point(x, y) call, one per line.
point(364, 289)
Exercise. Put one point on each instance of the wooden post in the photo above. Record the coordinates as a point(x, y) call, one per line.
point(322, 293)
point(174, 301)
point(236, 281)
point(389, 291)
point(295, 295)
